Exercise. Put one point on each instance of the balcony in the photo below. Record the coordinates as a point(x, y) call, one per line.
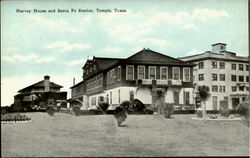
point(169, 82)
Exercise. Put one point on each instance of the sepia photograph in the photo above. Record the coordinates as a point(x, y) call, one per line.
point(122, 78)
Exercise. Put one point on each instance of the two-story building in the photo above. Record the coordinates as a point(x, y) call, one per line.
point(226, 74)
point(40, 95)
point(146, 75)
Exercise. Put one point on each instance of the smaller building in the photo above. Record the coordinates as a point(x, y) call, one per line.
point(39, 96)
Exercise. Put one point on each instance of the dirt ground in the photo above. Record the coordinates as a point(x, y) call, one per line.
point(65, 135)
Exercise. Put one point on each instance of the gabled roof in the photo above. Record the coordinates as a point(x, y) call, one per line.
point(40, 84)
point(147, 56)
point(104, 63)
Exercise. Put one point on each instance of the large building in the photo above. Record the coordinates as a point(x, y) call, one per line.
point(40, 95)
point(147, 75)
point(226, 74)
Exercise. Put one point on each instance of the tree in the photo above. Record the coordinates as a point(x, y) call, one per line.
point(204, 94)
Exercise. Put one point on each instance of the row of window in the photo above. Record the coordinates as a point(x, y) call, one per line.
point(240, 78)
point(216, 88)
point(222, 65)
point(176, 75)
point(241, 88)
point(223, 77)
point(94, 82)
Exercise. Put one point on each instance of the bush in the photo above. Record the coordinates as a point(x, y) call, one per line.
point(103, 106)
point(120, 115)
point(224, 112)
point(136, 106)
point(244, 109)
point(76, 110)
point(199, 113)
point(168, 110)
point(125, 105)
point(14, 117)
point(51, 110)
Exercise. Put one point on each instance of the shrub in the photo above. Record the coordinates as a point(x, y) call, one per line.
point(120, 115)
point(224, 112)
point(103, 106)
point(199, 113)
point(125, 105)
point(244, 109)
point(76, 109)
point(14, 117)
point(148, 111)
point(136, 106)
point(51, 110)
point(168, 110)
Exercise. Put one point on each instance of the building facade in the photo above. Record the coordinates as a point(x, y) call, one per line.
point(146, 75)
point(40, 95)
point(226, 74)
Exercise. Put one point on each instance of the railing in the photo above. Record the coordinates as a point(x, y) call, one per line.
point(159, 82)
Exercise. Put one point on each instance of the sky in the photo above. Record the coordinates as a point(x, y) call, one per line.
point(35, 44)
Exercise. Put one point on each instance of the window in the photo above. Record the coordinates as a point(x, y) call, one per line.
point(119, 73)
point(247, 67)
point(201, 77)
point(176, 73)
point(176, 98)
point(241, 78)
point(141, 72)
point(164, 73)
point(241, 67)
point(234, 89)
point(186, 74)
point(221, 47)
point(130, 72)
point(131, 95)
point(201, 65)
point(214, 88)
point(233, 78)
point(247, 88)
point(233, 66)
point(247, 78)
point(186, 98)
point(214, 64)
point(214, 77)
point(241, 88)
point(222, 88)
point(93, 101)
point(222, 65)
point(119, 96)
point(222, 77)
point(110, 97)
point(152, 72)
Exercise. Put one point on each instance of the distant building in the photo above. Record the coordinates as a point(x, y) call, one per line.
point(226, 74)
point(40, 95)
point(146, 75)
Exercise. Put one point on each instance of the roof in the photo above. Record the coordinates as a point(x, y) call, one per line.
point(147, 56)
point(218, 44)
point(40, 84)
point(77, 84)
point(104, 63)
point(224, 55)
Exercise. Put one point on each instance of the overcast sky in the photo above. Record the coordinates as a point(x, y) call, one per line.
point(58, 44)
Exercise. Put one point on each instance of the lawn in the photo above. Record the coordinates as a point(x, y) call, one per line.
point(65, 135)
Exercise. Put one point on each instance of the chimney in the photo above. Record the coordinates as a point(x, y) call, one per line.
point(46, 83)
point(74, 81)
point(218, 47)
